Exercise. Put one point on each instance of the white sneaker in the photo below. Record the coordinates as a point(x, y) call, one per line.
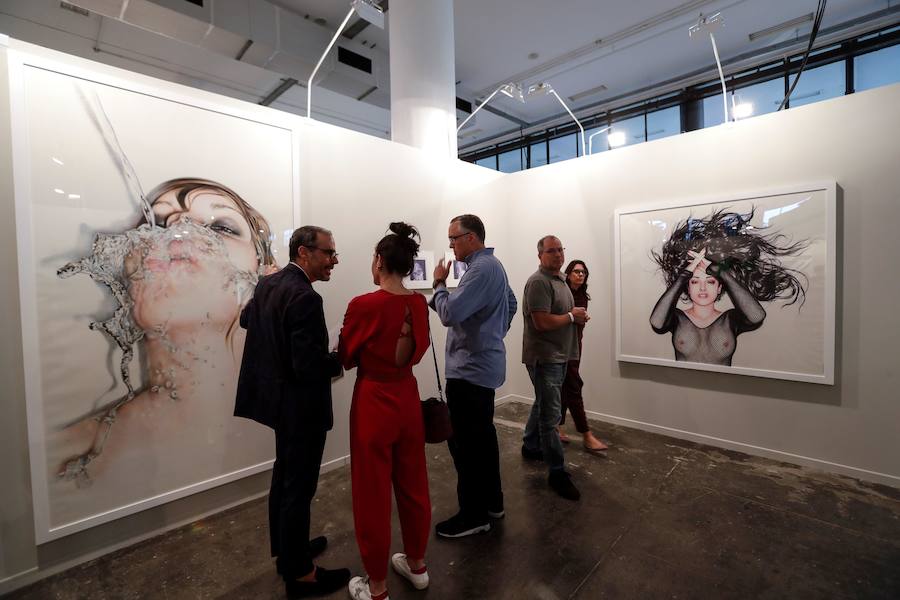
point(419, 580)
point(359, 589)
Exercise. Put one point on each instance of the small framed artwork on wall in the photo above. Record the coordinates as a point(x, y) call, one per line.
point(422, 273)
point(457, 269)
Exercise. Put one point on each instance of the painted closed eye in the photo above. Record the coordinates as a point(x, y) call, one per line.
point(225, 226)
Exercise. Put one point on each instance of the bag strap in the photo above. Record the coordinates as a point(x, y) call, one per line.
point(437, 372)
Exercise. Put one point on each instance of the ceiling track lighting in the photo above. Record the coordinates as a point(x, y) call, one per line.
point(513, 90)
point(544, 87)
point(791, 24)
point(708, 25)
point(367, 10)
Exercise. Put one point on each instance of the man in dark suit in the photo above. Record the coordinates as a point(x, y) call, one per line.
point(285, 384)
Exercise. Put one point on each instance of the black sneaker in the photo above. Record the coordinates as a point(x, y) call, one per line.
point(459, 526)
point(496, 512)
point(327, 581)
point(532, 454)
point(561, 482)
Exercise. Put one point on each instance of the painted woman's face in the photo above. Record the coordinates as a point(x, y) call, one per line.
point(703, 288)
point(197, 266)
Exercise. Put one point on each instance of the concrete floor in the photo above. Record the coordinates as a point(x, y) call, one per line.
point(659, 517)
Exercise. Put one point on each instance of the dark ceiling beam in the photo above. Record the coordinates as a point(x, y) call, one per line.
point(506, 116)
point(284, 86)
point(243, 50)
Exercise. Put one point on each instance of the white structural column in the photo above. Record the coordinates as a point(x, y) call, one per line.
point(423, 85)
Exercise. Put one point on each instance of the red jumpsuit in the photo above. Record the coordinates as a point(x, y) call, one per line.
point(387, 439)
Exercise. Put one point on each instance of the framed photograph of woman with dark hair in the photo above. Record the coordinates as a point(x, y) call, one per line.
point(741, 284)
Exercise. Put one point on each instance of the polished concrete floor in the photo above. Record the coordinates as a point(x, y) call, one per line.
point(659, 518)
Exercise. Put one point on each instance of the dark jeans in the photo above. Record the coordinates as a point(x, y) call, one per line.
point(474, 448)
point(572, 398)
point(540, 431)
point(294, 480)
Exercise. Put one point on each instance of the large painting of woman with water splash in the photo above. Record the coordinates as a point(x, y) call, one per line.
point(743, 285)
point(152, 221)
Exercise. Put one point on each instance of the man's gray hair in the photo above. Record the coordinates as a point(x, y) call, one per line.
point(470, 224)
point(541, 241)
point(307, 236)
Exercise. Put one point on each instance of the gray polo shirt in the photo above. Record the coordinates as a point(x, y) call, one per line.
point(548, 293)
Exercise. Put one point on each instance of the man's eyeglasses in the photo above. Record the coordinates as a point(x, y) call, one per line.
point(331, 253)
point(554, 250)
point(453, 238)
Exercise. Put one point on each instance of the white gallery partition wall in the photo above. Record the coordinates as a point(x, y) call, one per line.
point(102, 445)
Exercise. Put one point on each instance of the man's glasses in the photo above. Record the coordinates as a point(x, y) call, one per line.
point(331, 253)
point(453, 238)
point(554, 250)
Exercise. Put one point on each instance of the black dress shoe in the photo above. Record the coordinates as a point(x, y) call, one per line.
point(327, 581)
point(561, 482)
point(317, 546)
point(532, 454)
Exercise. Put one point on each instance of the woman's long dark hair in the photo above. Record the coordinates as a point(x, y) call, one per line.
point(398, 249)
point(570, 267)
point(750, 256)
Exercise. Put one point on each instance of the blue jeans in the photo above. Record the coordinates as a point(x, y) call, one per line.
point(540, 431)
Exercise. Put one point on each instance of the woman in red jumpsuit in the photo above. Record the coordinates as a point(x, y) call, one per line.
point(385, 333)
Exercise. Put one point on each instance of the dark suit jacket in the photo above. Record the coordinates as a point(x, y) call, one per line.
point(286, 371)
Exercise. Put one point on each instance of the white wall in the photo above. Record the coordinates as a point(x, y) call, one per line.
point(851, 427)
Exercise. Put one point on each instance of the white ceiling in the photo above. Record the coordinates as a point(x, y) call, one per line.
point(650, 45)
point(624, 45)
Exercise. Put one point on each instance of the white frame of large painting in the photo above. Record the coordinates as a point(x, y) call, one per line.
point(827, 192)
point(92, 73)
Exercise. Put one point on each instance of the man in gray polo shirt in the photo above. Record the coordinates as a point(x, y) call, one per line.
point(550, 340)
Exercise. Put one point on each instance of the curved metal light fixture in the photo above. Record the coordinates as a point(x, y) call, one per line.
point(708, 25)
point(545, 88)
point(367, 10)
point(513, 90)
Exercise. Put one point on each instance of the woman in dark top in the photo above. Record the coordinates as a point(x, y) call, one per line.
point(705, 258)
point(577, 276)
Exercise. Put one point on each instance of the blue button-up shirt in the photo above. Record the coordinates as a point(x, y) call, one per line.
point(478, 314)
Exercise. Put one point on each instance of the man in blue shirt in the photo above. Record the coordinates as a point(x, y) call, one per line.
point(478, 314)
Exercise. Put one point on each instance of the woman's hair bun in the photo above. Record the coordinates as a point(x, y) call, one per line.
point(398, 249)
point(404, 229)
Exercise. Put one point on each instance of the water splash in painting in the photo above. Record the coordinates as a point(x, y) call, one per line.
point(121, 261)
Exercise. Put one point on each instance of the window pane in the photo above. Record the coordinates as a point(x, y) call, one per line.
point(763, 97)
point(599, 143)
point(818, 84)
point(713, 111)
point(633, 129)
point(511, 161)
point(538, 154)
point(563, 148)
point(878, 68)
point(488, 161)
point(663, 123)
